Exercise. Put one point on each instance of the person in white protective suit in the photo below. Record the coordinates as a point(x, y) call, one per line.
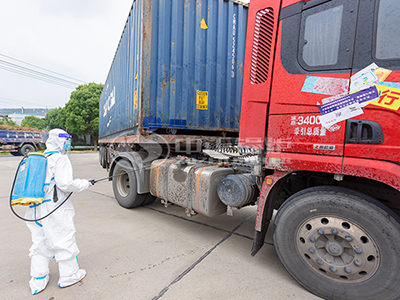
point(54, 236)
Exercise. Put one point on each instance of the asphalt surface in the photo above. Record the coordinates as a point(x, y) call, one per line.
point(150, 252)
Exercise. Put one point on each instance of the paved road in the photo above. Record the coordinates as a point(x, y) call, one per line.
point(150, 252)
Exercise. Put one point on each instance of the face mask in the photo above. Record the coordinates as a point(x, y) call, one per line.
point(67, 145)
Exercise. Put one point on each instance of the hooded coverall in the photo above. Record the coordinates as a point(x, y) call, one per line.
point(54, 236)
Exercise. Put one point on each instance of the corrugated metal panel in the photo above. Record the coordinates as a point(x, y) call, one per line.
point(179, 65)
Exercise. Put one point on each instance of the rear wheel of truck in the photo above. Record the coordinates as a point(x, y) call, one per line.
point(149, 199)
point(26, 148)
point(125, 187)
point(102, 156)
point(339, 244)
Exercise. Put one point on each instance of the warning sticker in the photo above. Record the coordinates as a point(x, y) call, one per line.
point(325, 85)
point(346, 107)
point(364, 78)
point(391, 84)
point(366, 87)
point(341, 114)
point(135, 100)
point(358, 97)
point(202, 100)
point(360, 81)
point(382, 73)
point(389, 97)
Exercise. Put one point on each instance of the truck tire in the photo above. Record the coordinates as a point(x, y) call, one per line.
point(125, 187)
point(149, 199)
point(339, 244)
point(26, 148)
point(102, 156)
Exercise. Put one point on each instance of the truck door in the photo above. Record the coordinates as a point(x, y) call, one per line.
point(313, 62)
point(374, 134)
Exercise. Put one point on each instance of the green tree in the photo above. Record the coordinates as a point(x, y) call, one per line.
point(33, 122)
point(81, 113)
point(61, 118)
point(7, 121)
point(54, 119)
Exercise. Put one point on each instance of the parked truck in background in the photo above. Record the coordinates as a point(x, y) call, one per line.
point(317, 85)
point(20, 141)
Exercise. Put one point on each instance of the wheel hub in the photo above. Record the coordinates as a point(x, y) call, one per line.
point(338, 249)
point(334, 248)
point(123, 184)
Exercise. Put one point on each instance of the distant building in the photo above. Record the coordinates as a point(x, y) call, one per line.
point(28, 111)
point(17, 117)
point(18, 114)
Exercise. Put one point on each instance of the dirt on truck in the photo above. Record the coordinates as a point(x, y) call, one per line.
point(300, 99)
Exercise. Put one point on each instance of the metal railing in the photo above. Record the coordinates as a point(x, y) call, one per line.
point(84, 148)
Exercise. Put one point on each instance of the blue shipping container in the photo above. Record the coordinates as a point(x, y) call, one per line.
point(178, 65)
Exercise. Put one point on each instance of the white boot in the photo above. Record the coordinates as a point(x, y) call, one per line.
point(38, 284)
point(70, 280)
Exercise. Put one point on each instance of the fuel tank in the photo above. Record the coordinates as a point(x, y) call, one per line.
point(189, 183)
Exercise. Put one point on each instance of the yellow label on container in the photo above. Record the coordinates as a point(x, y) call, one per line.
point(202, 100)
point(389, 97)
point(135, 101)
point(203, 24)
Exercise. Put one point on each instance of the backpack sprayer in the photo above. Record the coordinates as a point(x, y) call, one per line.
point(29, 183)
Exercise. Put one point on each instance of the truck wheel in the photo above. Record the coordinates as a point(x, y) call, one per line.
point(102, 156)
point(124, 186)
point(339, 244)
point(25, 149)
point(149, 199)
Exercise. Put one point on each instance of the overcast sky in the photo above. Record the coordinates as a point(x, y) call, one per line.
point(75, 38)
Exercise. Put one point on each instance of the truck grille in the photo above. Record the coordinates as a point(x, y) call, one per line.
point(262, 41)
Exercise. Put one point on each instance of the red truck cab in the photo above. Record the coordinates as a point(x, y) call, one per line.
point(336, 187)
point(318, 140)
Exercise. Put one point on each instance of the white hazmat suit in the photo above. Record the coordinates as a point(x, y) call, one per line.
point(54, 236)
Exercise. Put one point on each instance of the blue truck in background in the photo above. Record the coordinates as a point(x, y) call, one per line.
point(20, 142)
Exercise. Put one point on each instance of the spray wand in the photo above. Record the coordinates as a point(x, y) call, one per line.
point(109, 177)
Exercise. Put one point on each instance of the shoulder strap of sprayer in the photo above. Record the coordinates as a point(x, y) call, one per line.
point(55, 196)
